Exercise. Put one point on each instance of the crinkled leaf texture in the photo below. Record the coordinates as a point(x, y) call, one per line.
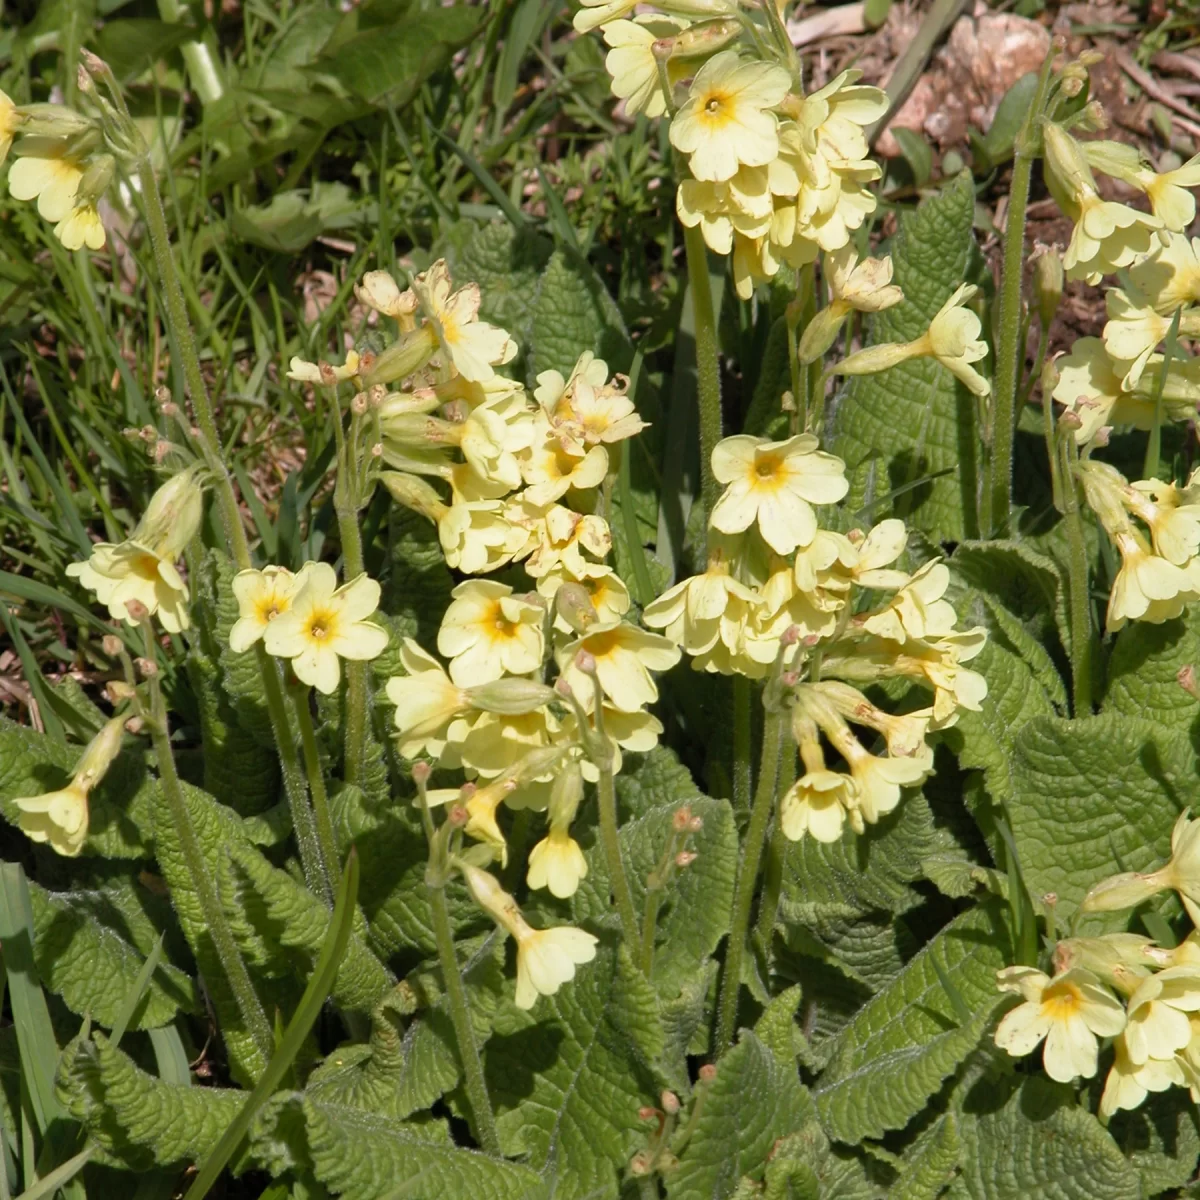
point(82, 957)
point(905, 1041)
point(1034, 1140)
point(1094, 797)
point(916, 419)
point(368, 1156)
point(567, 1081)
point(1143, 667)
point(755, 1100)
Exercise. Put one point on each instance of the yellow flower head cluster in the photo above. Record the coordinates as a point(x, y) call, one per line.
point(780, 592)
point(1160, 564)
point(1121, 986)
point(61, 164)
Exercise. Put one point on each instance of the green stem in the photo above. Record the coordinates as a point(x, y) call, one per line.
point(181, 333)
point(648, 1188)
point(742, 738)
point(1154, 445)
point(606, 794)
point(232, 963)
point(456, 992)
point(1079, 599)
point(316, 870)
point(1009, 345)
point(316, 782)
point(768, 908)
point(356, 672)
point(708, 363)
point(743, 897)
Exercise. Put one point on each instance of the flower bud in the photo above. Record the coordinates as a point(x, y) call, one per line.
point(1066, 160)
point(111, 645)
point(1186, 678)
point(821, 331)
point(136, 611)
point(585, 662)
point(565, 796)
point(704, 38)
point(173, 515)
point(1123, 891)
point(1047, 284)
point(511, 697)
point(421, 772)
point(708, 1073)
point(51, 120)
point(399, 361)
point(96, 178)
point(681, 817)
point(574, 604)
point(380, 291)
point(147, 668)
point(670, 1103)
point(118, 691)
point(413, 492)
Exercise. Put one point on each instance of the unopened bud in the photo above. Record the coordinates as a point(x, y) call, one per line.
point(647, 1113)
point(510, 697)
point(681, 818)
point(790, 636)
point(136, 611)
point(96, 178)
point(695, 825)
point(399, 361)
point(118, 691)
point(1050, 377)
point(574, 604)
point(111, 645)
point(685, 858)
point(1072, 86)
point(670, 1103)
point(1047, 284)
point(170, 408)
point(468, 789)
point(95, 65)
point(458, 816)
point(563, 688)
point(413, 492)
point(789, 679)
point(147, 668)
point(135, 725)
point(1094, 118)
point(1070, 420)
point(705, 38)
point(1101, 436)
point(358, 405)
point(52, 120)
point(173, 515)
point(640, 1163)
point(585, 661)
point(1187, 680)
point(421, 772)
point(707, 1073)
point(1122, 891)
point(1090, 58)
point(376, 450)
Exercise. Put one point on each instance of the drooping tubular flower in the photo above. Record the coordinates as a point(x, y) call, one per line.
point(952, 338)
point(557, 862)
point(326, 623)
point(862, 286)
point(546, 958)
point(142, 568)
point(61, 817)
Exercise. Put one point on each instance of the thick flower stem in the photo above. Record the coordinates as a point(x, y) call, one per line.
point(1079, 599)
point(768, 908)
point(356, 672)
point(317, 869)
point(708, 363)
point(606, 793)
point(205, 888)
point(742, 739)
point(316, 783)
point(743, 897)
point(235, 533)
point(456, 992)
point(185, 343)
point(1010, 346)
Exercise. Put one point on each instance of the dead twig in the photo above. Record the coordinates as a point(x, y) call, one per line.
point(1186, 117)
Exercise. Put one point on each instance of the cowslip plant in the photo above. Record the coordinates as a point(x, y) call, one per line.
point(445, 891)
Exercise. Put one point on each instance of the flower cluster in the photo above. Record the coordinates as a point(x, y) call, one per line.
point(62, 163)
point(1120, 986)
point(819, 611)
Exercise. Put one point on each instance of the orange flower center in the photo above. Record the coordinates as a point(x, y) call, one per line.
point(1061, 1001)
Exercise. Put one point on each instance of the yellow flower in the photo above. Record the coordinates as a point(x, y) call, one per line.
point(726, 119)
point(1069, 1012)
point(477, 537)
point(426, 701)
point(261, 597)
point(551, 469)
point(557, 863)
point(325, 624)
point(322, 373)
point(608, 593)
point(546, 958)
point(1134, 330)
point(1174, 523)
point(61, 818)
point(81, 227)
point(596, 13)
point(864, 286)
point(702, 609)
point(917, 610)
point(488, 632)
point(1170, 277)
point(817, 804)
point(10, 122)
point(1129, 1083)
point(775, 484)
point(1147, 587)
point(632, 63)
point(474, 346)
point(1169, 194)
point(380, 291)
point(494, 743)
point(133, 572)
point(624, 655)
point(558, 537)
point(952, 338)
point(46, 171)
point(481, 804)
point(1158, 1024)
point(587, 409)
